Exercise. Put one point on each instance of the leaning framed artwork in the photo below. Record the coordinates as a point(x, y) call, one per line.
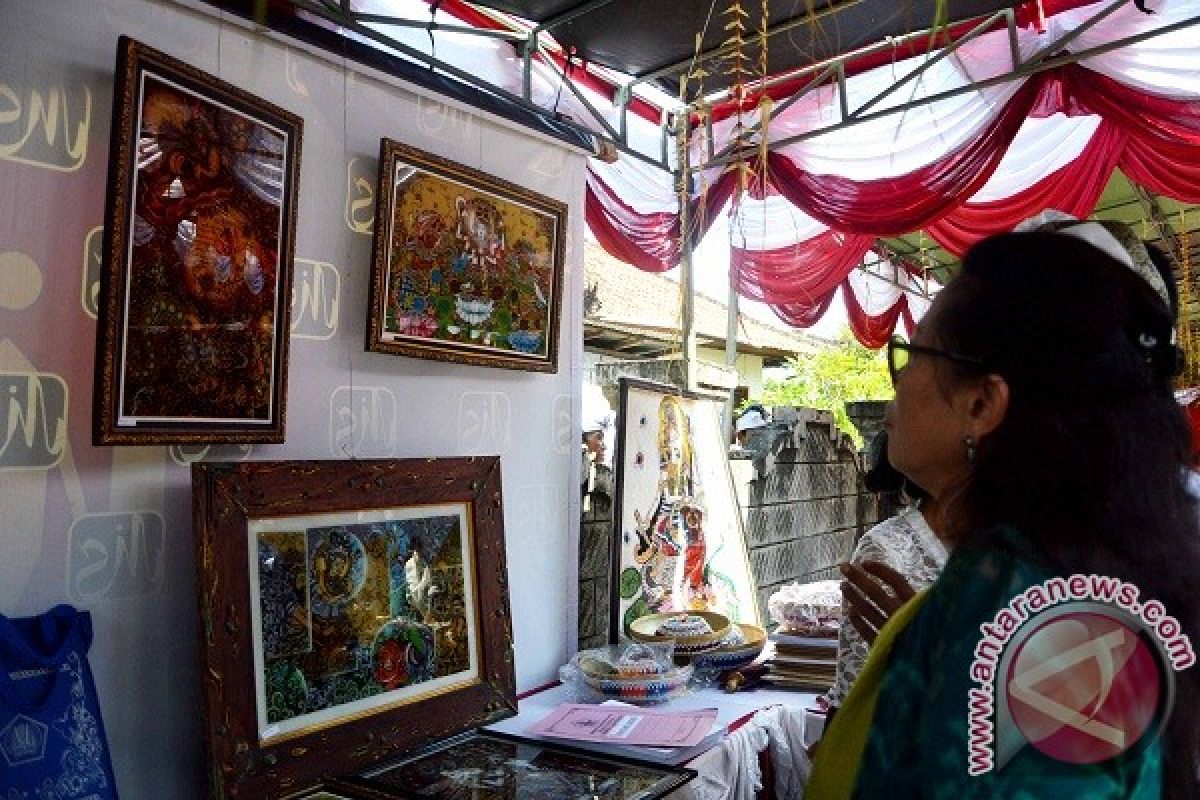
point(494, 766)
point(350, 610)
point(195, 286)
point(466, 267)
point(679, 542)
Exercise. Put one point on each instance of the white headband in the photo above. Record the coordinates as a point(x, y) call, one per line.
point(1115, 239)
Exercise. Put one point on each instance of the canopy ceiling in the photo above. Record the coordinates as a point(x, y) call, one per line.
point(641, 38)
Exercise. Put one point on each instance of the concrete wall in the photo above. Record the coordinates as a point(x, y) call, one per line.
point(800, 499)
point(109, 529)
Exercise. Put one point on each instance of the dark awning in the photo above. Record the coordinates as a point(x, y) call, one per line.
point(643, 38)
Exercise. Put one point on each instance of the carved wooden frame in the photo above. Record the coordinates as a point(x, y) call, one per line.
point(227, 497)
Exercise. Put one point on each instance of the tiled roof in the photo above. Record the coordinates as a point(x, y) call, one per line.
point(638, 313)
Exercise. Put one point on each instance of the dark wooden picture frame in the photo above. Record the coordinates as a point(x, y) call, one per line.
point(234, 503)
point(195, 289)
point(523, 768)
point(466, 267)
point(706, 483)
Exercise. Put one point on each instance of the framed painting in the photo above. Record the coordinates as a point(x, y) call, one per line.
point(679, 543)
point(350, 610)
point(495, 766)
point(196, 282)
point(467, 267)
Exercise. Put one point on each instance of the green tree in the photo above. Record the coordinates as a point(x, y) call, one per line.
point(840, 373)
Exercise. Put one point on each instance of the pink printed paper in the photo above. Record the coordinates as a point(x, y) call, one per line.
point(627, 725)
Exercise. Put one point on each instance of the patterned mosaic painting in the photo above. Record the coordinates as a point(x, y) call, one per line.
point(349, 612)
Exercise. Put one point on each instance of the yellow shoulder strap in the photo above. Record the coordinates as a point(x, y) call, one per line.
point(835, 769)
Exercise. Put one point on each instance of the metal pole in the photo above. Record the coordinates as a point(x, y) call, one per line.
point(686, 278)
point(731, 331)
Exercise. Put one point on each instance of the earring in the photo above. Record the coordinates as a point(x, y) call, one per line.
point(969, 443)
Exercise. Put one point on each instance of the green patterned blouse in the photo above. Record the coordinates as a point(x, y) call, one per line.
point(918, 743)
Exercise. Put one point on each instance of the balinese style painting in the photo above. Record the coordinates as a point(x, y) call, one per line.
point(679, 544)
point(353, 612)
point(197, 273)
point(467, 267)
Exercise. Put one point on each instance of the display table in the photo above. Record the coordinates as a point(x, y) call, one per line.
point(761, 756)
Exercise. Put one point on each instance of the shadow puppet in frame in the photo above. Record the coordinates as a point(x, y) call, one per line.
point(196, 282)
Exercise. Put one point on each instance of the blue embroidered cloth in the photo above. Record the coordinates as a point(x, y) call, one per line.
point(52, 744)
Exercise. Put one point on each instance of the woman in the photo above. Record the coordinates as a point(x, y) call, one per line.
point(1035, 405)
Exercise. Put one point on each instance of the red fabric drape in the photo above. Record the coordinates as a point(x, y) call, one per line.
point(801, 274)
point(872, 331)
point(1074, 188)
point(904, 203)
point(1155, 140)
point(804, 315)
point(649, 241)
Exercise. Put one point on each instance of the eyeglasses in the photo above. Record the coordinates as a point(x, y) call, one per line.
point(900, 353)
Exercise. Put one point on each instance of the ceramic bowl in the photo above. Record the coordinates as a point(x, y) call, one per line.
point(646, 629)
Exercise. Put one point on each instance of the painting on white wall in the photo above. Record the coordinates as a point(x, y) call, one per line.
point(195, 292)
point(351, 609)
point(467, 267)
point(679, 542)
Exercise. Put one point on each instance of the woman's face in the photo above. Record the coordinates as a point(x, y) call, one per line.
point(925, 422)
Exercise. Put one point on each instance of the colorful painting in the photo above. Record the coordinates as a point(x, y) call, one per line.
point(196, 279)
point(358, 611)
point(679, 543)
point(490, 767)
point(350, 611)
point(467, 267)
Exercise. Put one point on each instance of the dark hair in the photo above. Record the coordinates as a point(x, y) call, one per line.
point(1089, 461)
point(881, 476)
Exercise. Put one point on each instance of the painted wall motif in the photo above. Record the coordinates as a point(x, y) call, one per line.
point(109, 529)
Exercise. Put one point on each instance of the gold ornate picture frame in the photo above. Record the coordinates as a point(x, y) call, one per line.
point(467, 267)
point(195, 288)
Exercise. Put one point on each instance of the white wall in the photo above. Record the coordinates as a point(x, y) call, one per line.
point(109, 529)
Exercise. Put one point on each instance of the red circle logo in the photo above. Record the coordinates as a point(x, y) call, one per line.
point(1084, 687)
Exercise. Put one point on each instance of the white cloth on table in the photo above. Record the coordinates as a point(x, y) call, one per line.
point(731, 770)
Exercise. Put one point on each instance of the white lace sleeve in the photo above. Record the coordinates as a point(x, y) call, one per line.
point(852, 648)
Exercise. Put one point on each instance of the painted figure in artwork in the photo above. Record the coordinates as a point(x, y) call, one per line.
point(672, 565)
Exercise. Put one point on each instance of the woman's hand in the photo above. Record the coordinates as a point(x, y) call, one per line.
point(873, 591)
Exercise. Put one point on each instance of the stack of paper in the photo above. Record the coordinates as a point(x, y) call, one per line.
point(664, 737)
point(802, 662)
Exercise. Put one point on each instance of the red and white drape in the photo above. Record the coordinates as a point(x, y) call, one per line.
point(960, 168)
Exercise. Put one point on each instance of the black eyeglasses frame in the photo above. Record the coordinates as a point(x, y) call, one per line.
point(898, 342)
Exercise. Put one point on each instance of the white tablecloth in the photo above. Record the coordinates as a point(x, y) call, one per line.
point(730, 770)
